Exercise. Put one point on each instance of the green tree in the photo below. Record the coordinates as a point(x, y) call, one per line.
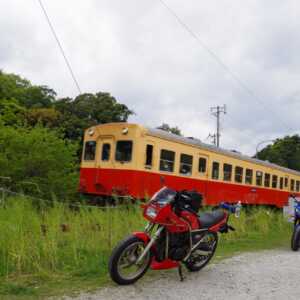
point(284, 152)
point(48, 117)
point(87, 110)
point(40, 160)
point(13, 86)
point(168, 128)
point(11, 112)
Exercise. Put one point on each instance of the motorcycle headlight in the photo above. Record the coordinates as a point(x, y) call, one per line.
point(151, 212)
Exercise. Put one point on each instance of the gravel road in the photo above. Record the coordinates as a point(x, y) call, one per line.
point(262, 275)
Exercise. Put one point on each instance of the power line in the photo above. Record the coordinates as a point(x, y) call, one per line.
point(60, 46)
point(219, 61)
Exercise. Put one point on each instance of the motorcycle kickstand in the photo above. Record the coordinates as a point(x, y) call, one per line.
point(180, 273)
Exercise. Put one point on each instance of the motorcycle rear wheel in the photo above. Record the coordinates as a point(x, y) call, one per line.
point(295, 241)
point(122, 264)
point(197, 261)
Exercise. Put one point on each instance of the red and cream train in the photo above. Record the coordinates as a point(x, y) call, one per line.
point(128, 159)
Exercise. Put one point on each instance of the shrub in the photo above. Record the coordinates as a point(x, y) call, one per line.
point(39, 161)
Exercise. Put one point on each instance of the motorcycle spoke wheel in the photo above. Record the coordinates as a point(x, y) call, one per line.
point(198, 260)
point(123, 266)
point(127, 266)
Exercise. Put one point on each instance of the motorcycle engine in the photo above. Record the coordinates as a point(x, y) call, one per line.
point(179, 245)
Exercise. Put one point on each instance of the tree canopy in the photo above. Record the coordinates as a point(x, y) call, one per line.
point(284, 152)
point(24, 104)
point(168, 128)
point(14, 87)
point(87, 110)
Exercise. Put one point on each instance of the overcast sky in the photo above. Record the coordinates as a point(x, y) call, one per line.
point(138, 51)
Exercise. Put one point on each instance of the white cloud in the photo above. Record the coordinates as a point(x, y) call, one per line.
point(140, 54)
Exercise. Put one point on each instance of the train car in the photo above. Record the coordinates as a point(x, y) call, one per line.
point(125, 159)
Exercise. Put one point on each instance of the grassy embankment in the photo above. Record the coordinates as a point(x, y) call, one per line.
point(50, 251)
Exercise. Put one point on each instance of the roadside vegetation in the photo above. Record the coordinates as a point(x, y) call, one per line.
point(50, 250)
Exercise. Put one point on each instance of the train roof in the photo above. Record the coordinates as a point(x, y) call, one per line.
point(196, 142)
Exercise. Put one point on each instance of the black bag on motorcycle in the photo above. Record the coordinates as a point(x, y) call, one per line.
point(193, 199)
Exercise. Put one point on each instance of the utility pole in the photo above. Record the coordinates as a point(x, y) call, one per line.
point(216, 111)
point(213, 138)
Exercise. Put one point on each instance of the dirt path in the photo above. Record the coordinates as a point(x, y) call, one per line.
point(262, 275)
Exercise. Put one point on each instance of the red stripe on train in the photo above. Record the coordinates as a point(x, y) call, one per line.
point(141, 184)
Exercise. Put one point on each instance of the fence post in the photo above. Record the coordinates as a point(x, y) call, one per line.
point(110, 229)
point(2, 195)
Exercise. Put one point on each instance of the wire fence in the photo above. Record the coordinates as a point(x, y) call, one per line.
point(6, 193)
point(115, 221)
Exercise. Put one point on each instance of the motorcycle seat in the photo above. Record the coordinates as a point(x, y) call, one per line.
point(208, 219)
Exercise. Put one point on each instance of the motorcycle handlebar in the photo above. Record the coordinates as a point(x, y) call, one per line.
point(232, 208)
point(229, 207)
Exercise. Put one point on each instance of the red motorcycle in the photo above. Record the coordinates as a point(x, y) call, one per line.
point(181, 236)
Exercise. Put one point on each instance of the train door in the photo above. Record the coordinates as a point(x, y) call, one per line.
point(149, 183)
point(202, 172)
point(287, 187)
point(104, 159)
point(251, 197)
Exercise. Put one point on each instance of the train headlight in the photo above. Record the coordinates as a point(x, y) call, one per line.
point(125, 130)
point(91, 131)
point(151, 212)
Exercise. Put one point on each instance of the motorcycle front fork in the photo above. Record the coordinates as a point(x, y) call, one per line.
point(148, 230)
point(156, 235)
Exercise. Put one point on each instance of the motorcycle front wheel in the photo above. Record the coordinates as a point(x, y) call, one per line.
point(197, 259)
point(123, 268)
point(295, 242)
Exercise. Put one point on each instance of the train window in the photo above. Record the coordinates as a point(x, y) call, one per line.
point(238, 174)
point(123, 151)
point(149, 155)
point(259, 176)
point(215, 170)
point(167, 159)
point(281, 183)
point(186, 164)
point(89, 150)
point(105, 152)
point(274, 181)
point(267, 180)
point(292, 184)
point(227, 172)
point(286, 180)
point(202, 165)
point(297, 186)
point(249, 176)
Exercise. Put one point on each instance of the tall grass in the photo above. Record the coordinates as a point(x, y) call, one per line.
point(50, 242)
point(258, 228)
point(46, 241)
